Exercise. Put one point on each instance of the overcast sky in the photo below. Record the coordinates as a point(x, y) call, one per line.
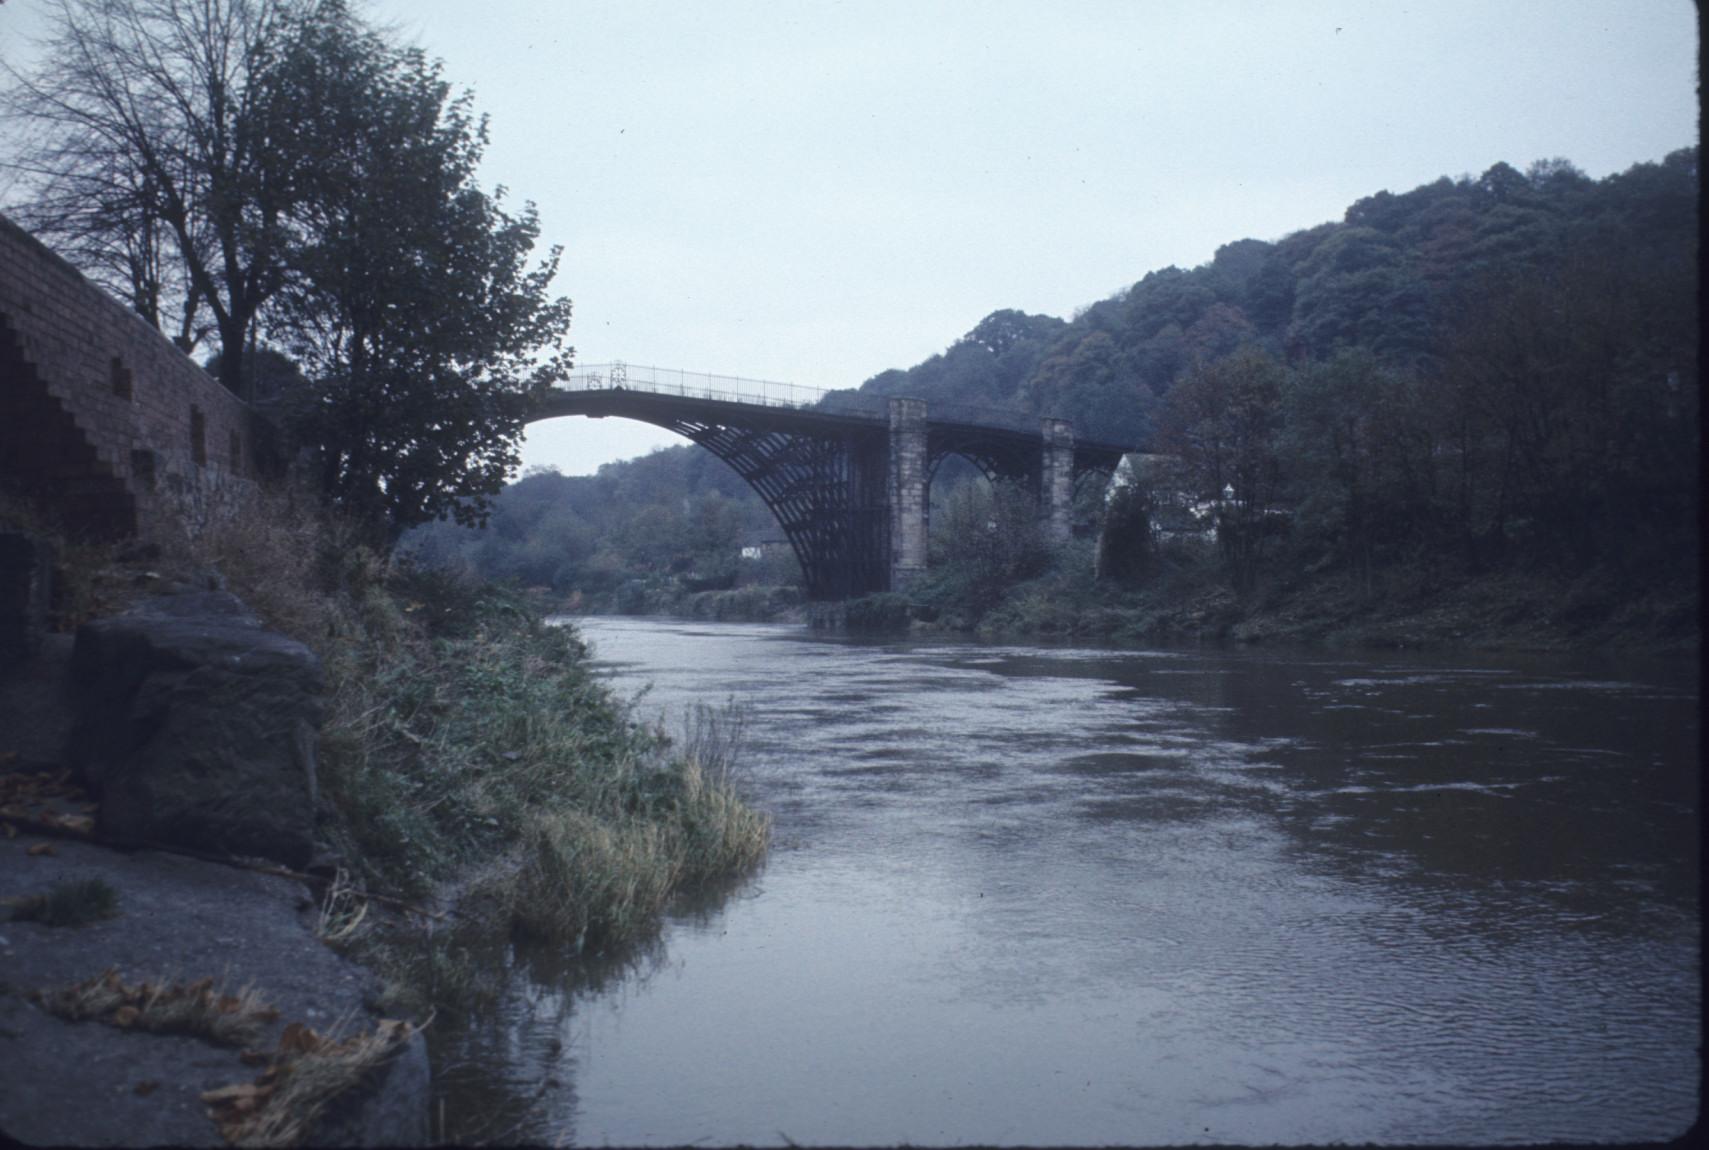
point(815, 192)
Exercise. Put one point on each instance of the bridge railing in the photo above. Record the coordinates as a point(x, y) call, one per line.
point(771, 393)
point(691, 384)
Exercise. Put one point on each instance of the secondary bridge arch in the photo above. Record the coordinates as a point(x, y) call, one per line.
point(845, 474)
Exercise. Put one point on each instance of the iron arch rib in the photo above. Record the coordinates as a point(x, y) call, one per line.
point(811, 485)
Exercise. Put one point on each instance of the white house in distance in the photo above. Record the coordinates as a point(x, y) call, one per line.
point(1176, 514)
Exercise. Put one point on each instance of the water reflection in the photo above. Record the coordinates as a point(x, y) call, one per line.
point(1067, 895)
point(505, 1073)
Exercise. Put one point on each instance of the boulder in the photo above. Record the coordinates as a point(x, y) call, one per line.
point(197, 728)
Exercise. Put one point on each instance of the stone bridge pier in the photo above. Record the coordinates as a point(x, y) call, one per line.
point(908, 491)
point(913, 460)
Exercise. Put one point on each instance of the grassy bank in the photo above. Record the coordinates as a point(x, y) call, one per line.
point(669, 597)
point(1434, 602)
point(468, 759)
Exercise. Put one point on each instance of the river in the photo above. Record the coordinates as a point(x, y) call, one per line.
point(1069, 895)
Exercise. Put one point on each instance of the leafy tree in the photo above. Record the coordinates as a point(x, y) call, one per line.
point(279, 167)
point(1360, 287)
point(986, 537)
point(411, 298)
point(1357, 441)
point(1003, 331)
point(1223, 421)
point(1125, 547)
point(1095, 386)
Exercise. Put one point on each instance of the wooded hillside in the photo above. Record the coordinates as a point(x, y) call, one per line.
point(1500, 369)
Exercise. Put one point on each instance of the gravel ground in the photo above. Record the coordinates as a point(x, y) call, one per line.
point(90, 1084)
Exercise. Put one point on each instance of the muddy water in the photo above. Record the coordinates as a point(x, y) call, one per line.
point(1065, 895)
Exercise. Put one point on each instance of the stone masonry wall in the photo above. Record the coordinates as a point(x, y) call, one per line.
point(907, 491)
point(1056, 480)
point(178, 442)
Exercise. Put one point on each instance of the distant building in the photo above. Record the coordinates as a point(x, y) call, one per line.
point(1175, 513)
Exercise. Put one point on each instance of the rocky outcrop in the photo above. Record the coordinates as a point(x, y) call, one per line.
point(197, 728)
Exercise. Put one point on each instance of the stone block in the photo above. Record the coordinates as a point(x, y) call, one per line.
point(198, 728)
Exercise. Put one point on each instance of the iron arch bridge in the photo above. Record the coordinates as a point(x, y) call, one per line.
point(845, 473)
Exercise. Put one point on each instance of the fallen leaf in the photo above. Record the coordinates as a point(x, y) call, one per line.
point(126, 1015)
point(146, 1087)
point(40, 849)
point(298, 1039)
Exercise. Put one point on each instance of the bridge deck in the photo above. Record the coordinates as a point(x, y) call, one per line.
point(665, 397)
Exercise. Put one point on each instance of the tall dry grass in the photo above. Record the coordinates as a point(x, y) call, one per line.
point(465, 735)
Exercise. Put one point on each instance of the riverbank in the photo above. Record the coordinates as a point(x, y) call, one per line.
point(1415, 607)
point(112, 1079)
point(669, 598)
point(470, 779)
point(166, 997)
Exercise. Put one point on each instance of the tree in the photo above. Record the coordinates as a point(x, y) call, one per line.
point(1125, 543)
point(1356, 441)
point(411, 298)
point(149, 162)
point(986, 538)
point(1222, 422)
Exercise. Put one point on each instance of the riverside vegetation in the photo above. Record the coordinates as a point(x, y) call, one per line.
point(471, 765)
point(470, 752)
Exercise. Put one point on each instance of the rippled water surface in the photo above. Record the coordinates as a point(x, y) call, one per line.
point(1063, 895)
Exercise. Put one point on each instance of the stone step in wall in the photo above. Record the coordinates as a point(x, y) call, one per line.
point(46, 457)
point(91, 393)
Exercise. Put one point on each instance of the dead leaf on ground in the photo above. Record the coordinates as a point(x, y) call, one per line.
point(160, 1007)
point(39, 849)
point(76, 824)
point(299, 1039)
point(146, 1087)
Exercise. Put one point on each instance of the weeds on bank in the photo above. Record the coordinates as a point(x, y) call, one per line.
point(464, 735)
point(281, 1106)
point(75, 903)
